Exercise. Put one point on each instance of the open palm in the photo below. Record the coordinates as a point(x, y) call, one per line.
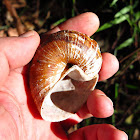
point(19, 118)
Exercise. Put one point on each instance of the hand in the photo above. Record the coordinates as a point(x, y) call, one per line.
point(19, 118)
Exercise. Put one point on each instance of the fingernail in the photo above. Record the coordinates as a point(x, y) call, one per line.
point(27, 34)
point(110, 101)
point(107, 98)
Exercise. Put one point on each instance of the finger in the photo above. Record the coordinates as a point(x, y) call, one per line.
point(99, 105)
point(109, 67)
point(8, 128)
point(18, 51)
point(86, 23)
point(98, 132)
point(84, 113)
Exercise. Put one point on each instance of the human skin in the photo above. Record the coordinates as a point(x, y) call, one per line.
point(19, 118)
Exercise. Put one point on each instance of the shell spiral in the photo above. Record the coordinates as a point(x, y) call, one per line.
point(63, 72)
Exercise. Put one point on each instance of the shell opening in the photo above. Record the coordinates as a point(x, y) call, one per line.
point(69, 65)
point(68, 95)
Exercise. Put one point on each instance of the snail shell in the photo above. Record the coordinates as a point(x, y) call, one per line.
point(63, 73)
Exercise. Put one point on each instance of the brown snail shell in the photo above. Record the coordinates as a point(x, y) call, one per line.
point(63, 73)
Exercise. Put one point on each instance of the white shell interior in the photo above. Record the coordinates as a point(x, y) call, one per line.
point(48, 108)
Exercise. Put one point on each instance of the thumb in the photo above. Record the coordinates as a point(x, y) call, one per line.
point(16, 52)
point(19, 50)
point(8, 128)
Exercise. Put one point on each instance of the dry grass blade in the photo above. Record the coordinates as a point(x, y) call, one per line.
point(136, 51)
point(130, 108)
point(20, 27)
